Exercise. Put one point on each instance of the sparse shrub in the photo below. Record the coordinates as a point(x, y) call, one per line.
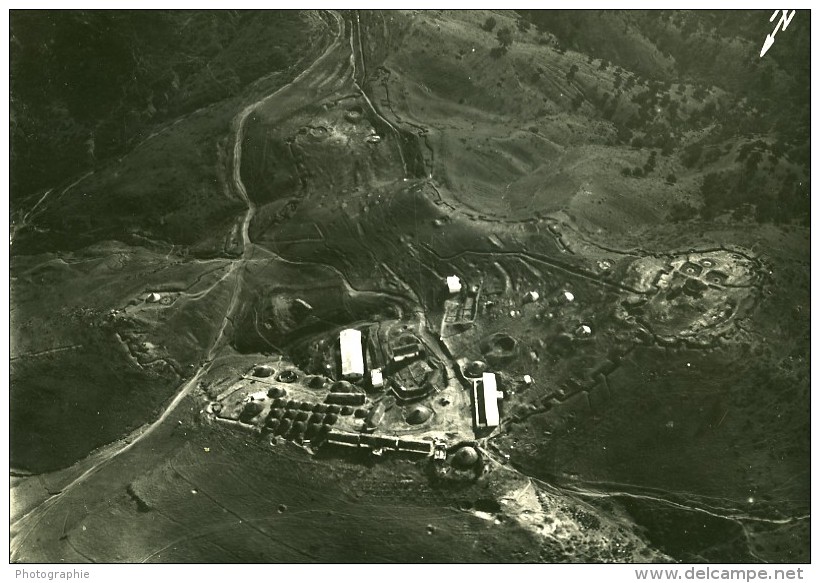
point(671, 178)
point(709, 110)
point(691, 154)
point(497, 52)
point(717, 190)
point(753, 160)
point(489, 24)
point(681, 211)
point(505, 38)
point(624, 134)
point(711, 154)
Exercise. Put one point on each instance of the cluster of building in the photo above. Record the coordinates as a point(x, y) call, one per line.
point(406, 386)
point(409, 382)
point(380, 443)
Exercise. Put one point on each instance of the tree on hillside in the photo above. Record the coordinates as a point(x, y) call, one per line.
point(505, 38)
point(691, 154)
point(489, 24)
point(681, 211)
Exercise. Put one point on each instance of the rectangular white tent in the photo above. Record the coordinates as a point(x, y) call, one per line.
point(485, 397)
point(350, 346)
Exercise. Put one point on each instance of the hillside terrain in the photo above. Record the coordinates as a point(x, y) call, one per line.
point(627, 221)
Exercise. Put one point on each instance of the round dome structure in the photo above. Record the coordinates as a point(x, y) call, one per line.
point(276, 392)
point(284, 426)
point(499, 348)
point(316, 382)
point(475, 369)
point(418, 415)
point(262, 371)
point(583, 330)
point(250, 411)
point(287, 376)
point(466, 457)
point(342, 387)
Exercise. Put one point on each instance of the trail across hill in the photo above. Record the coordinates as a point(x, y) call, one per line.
point(27, 523)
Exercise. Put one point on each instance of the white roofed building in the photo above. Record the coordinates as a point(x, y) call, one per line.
point(485, 399)
point(352, 356)
point(376, 378)
point(453, 284)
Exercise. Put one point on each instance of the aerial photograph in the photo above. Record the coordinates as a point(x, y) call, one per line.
point(409, 286)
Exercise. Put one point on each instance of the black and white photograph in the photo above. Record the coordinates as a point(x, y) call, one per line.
point(409, 285)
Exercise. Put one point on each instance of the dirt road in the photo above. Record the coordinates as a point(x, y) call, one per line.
point(22, 528)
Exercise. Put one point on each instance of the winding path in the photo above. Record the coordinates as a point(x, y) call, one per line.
point(28, 523)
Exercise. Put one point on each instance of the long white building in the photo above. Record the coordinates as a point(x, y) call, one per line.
point(485, 399)
point(350, 348)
